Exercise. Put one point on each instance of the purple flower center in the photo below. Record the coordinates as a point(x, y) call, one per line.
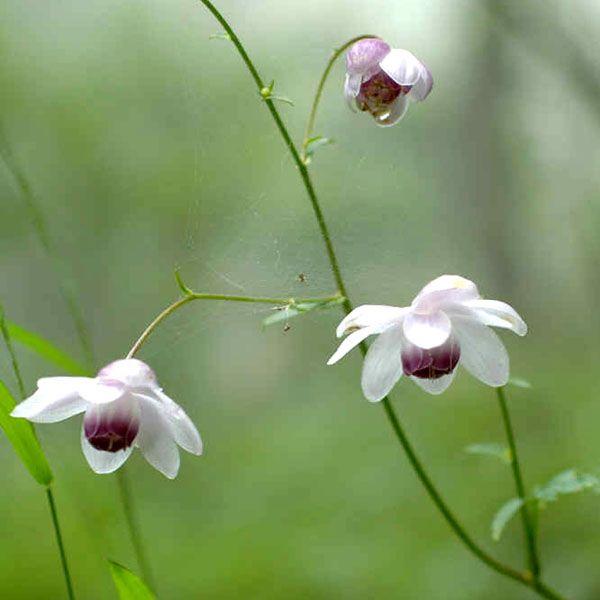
point(432, 363)
point(111, 431)
point(377, 94)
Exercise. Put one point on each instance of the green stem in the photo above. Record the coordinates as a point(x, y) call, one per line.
point(310, 124)
point(39, 225)
point(13, 357)
point(134, 527)
point(440, 503)
point(528, 525)
point(191, 296)
point(59, 541)
point(49, 494)
point(524, 578)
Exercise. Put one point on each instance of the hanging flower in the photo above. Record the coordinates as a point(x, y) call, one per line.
point(447, 324)
point(383, 80)
point(124, 408)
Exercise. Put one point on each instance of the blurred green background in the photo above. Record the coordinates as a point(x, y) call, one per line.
point(148, 149)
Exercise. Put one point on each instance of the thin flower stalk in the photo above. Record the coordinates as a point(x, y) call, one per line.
point(190, 296)
point(524, 578)
point(312, 117)
point(527, 521)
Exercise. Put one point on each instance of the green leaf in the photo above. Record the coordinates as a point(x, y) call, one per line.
point(289, 311)
point(283, 99)
point(22, 436)
point(567, 482)
point(315, 143)
point(520, 383)
point(129, 585)
point(220, 36)
point(46, 349)
point(496, 450)
point(504, 515)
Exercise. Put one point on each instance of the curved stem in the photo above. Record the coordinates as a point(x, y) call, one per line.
point(191, 296)
point(528, 528)
point(59, 541)
point(310, 124)
point(441, 505)
point(134, 527)
point(524, 578)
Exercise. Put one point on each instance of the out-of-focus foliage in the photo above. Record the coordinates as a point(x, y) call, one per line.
point(128, 584)
point(22, 437)
point(46, 349)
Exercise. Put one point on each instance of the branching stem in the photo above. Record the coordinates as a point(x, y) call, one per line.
point(524, 578)
point(190, 296)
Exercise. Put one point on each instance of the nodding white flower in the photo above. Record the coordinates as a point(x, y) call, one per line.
point(124, 408)
point(447, 324)
point(383, 80)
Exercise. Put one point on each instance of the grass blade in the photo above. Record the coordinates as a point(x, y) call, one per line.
point(128, 584)
point(46, 349)
point(21, 435)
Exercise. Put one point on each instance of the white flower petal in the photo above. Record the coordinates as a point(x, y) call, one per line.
point(155, 439)
point(435, 386)
point(53, 401)
point(62, 383)
point(378, 316)
point(402, 66)
point(397, 111)
point(103, 462)
point(349, 343)
point(427, 330)
point(351, 89)
point(383, 365)
point(96, 391)
point(444, 291)
point(182, 428)
point(420, 90)
point(481, 351)
point(130, 372)
point(497, 314)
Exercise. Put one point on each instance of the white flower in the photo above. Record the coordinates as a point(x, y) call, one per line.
point(124, 408)
point(383, 80)
point(447, 324)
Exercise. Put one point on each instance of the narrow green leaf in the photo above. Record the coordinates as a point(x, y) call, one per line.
point(21, 435)
point(520, 383)
point(285, 313)
point(128, 584)
point(504, 515)
point(567, 482)
point(496, 450)
point(46, 349)
point(315, 143)
point(220, 36)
